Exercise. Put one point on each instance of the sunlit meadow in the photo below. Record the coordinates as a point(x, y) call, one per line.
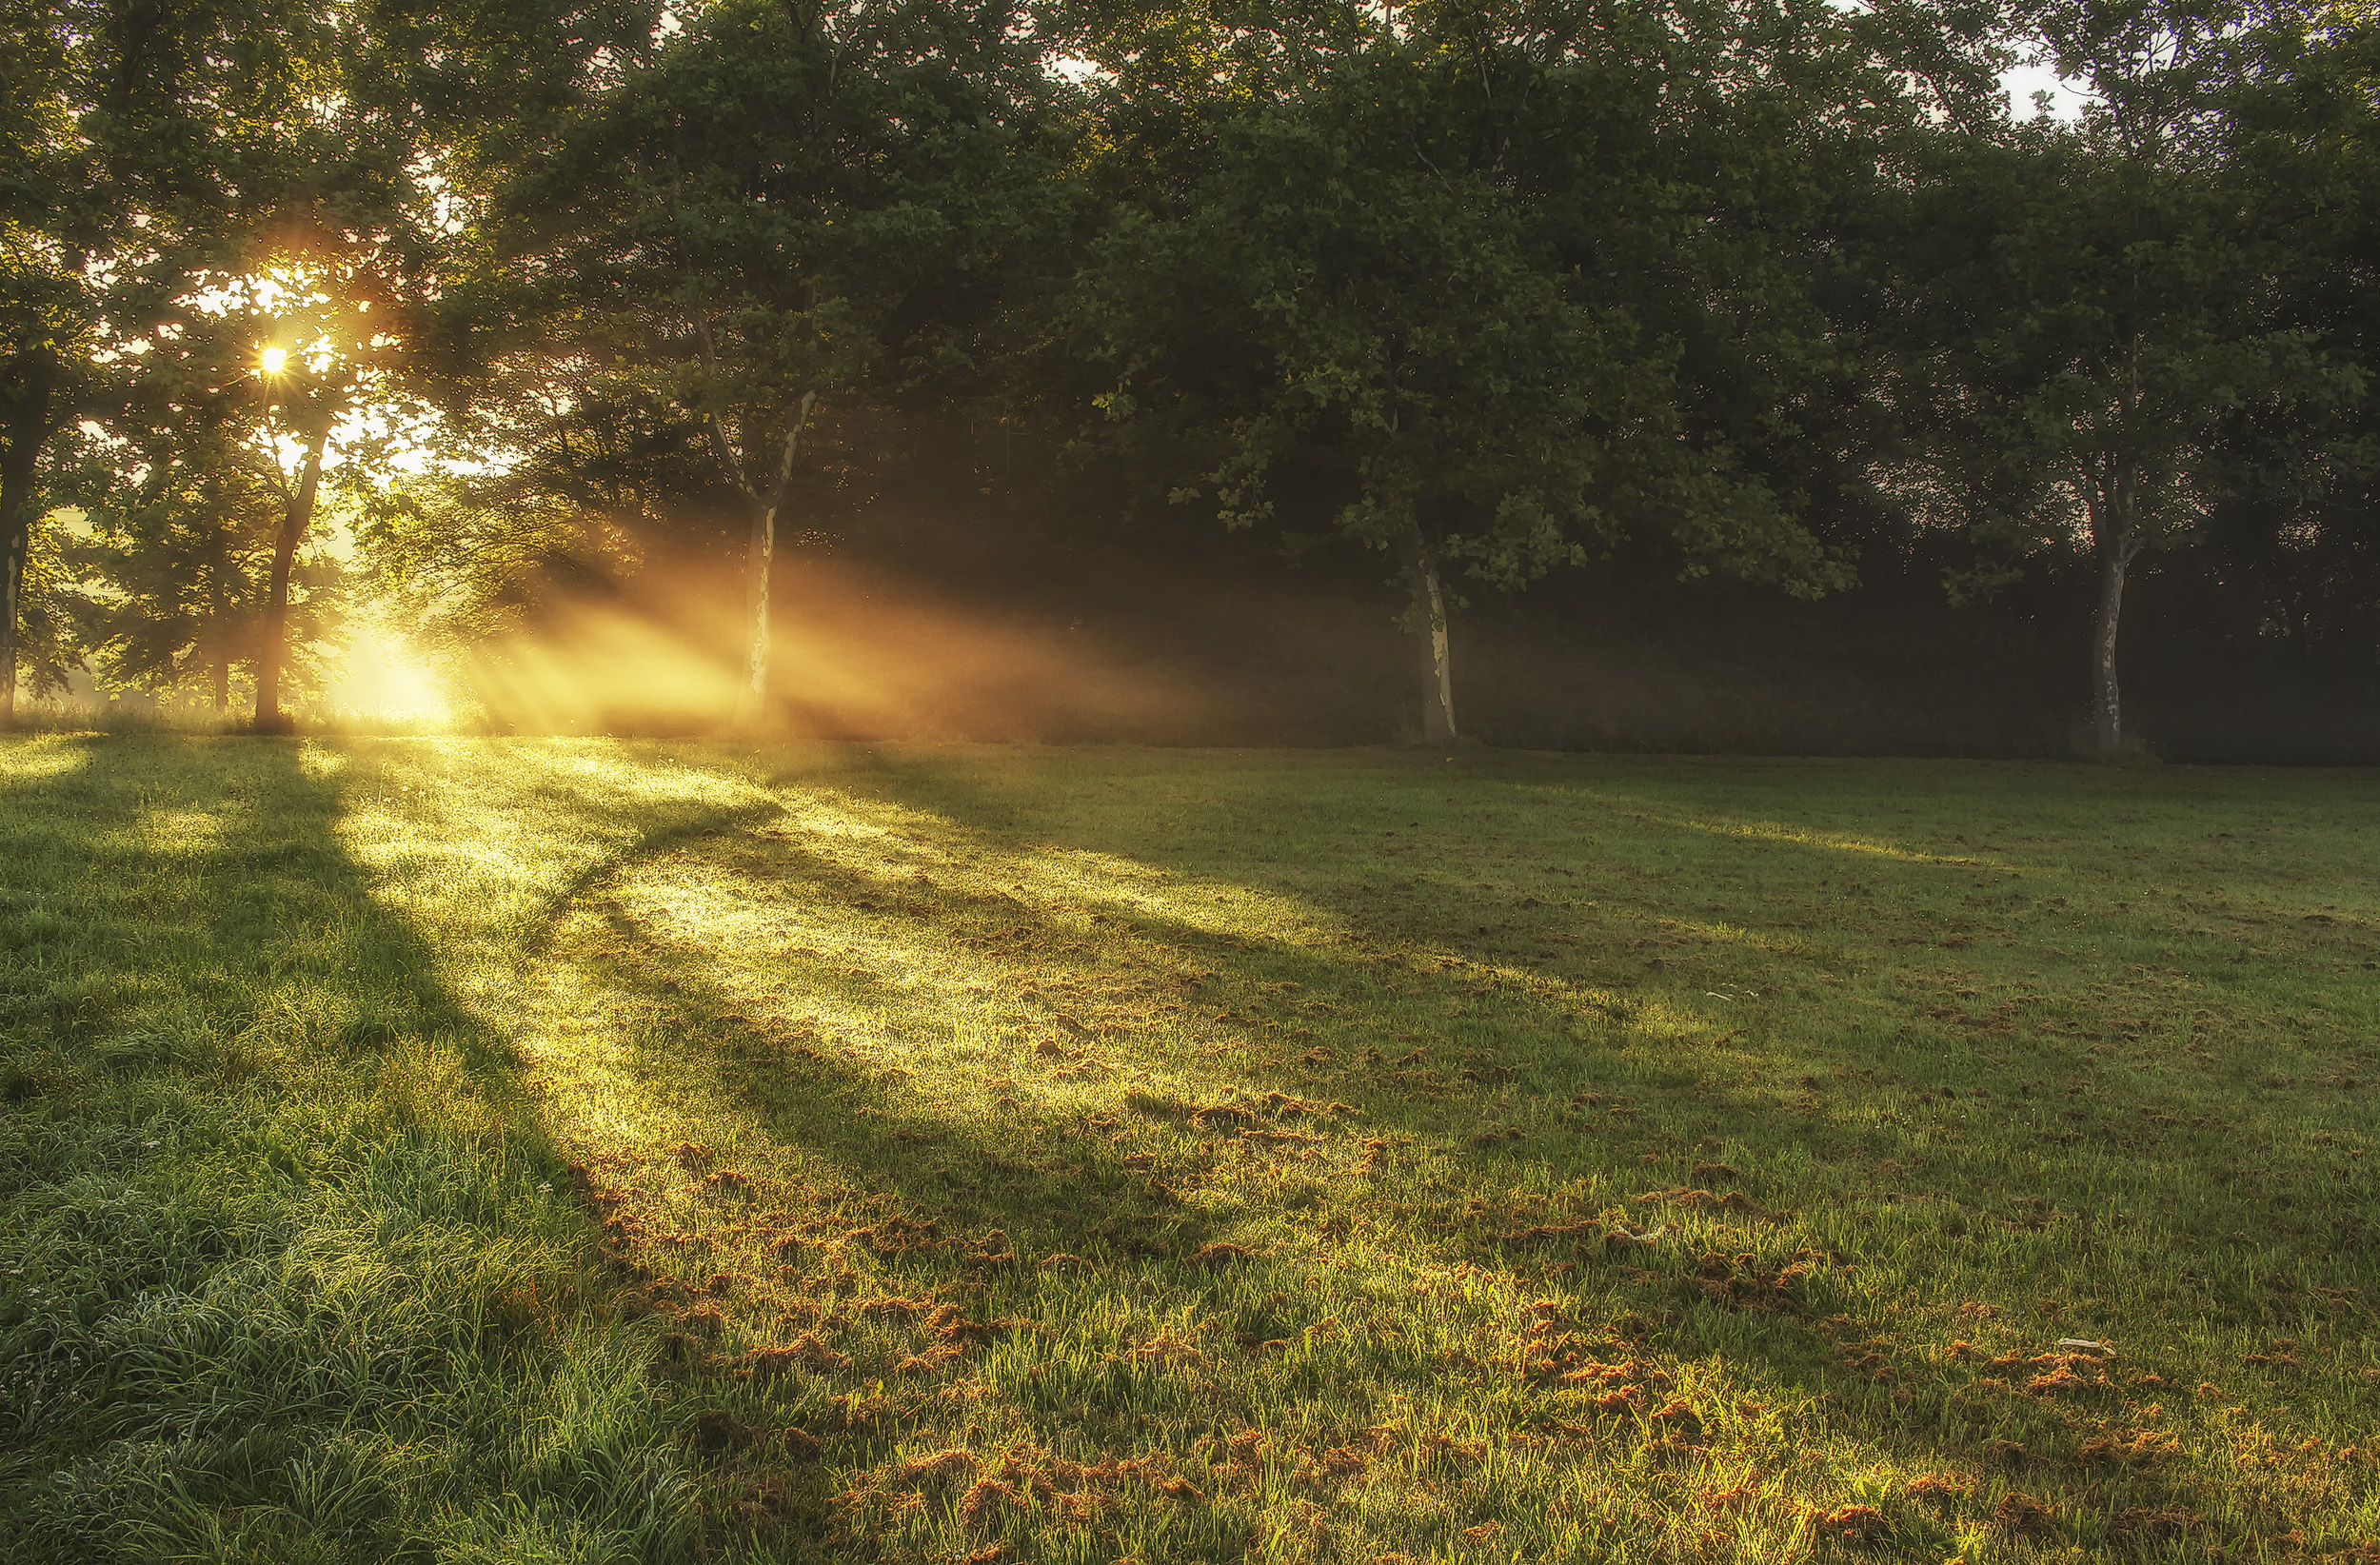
point(579, 1149)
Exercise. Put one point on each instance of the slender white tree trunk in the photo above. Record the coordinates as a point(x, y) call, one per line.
point(1438, 709)
point(2114, 536)
point(753, 699)
point(2110, 698)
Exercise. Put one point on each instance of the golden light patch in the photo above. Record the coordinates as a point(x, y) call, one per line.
point(385, 676)
point(181, 831)
point(42, 758)
point(1832, 841)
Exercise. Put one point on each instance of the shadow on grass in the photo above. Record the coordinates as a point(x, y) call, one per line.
point(285, 1274)
point(1812, 905)
point(882, 1060)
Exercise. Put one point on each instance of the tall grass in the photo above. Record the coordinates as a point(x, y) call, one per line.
point(291, 1267)
point(129, 718)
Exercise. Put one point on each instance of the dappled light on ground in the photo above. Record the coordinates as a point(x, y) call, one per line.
point(913, 1154)
point(1010, 1183)
point(35, 761)
point(917, 1116)
point(1832, 841)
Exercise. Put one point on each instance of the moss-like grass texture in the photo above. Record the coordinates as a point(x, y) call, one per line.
point(526, 1150)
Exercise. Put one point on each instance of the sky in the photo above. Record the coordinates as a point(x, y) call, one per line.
point(2066, 98)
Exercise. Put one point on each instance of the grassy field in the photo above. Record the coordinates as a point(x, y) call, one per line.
point(524, 1150)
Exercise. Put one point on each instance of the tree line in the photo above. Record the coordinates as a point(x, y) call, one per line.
point(502, 301)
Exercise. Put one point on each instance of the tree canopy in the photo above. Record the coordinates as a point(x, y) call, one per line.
point(1486, 294)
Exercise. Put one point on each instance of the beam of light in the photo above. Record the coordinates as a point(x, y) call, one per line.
point(274, 360)
point(859, 655)
point(596, 670)
point(385, 678)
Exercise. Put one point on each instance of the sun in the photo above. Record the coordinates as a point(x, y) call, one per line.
point(272, 360)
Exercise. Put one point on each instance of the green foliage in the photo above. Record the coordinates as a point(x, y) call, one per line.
point(178, 582)
point(780, 199)
point(143, 146)
point(162, 161)
point(2304, 156)
point(2095, 322)
point(1499, 287)
point(50, 632)
point(1429, 292)
point(1495, 289)
point(466, 562)
point(2091, 315)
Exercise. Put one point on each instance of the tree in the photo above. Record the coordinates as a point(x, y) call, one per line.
point(2301, 522)
point(784, 216)
point(325, 354)
point(50, 631)
point(41, 322)
point(2094, 312)
point(50, 73)
point(124, 133)
point(1464, 281)
point(151, 156)
point(177, 572)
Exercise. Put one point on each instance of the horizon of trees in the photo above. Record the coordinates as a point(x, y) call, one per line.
point(1750, 290)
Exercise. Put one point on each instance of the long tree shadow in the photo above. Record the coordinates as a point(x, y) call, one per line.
point(1922, 927)
point(968, 1048)
point(287, 1271)
point(828, 1282)
point(1851, 1094)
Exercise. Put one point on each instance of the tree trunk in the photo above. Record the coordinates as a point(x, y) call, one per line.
point(15, 541)
point(753, 699)
point(1437, 700)
point(29, 427)
point(2110, 702)
point(2114, 539)
point(271, 648)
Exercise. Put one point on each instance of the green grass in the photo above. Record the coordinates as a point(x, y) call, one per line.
point(523, 1150)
